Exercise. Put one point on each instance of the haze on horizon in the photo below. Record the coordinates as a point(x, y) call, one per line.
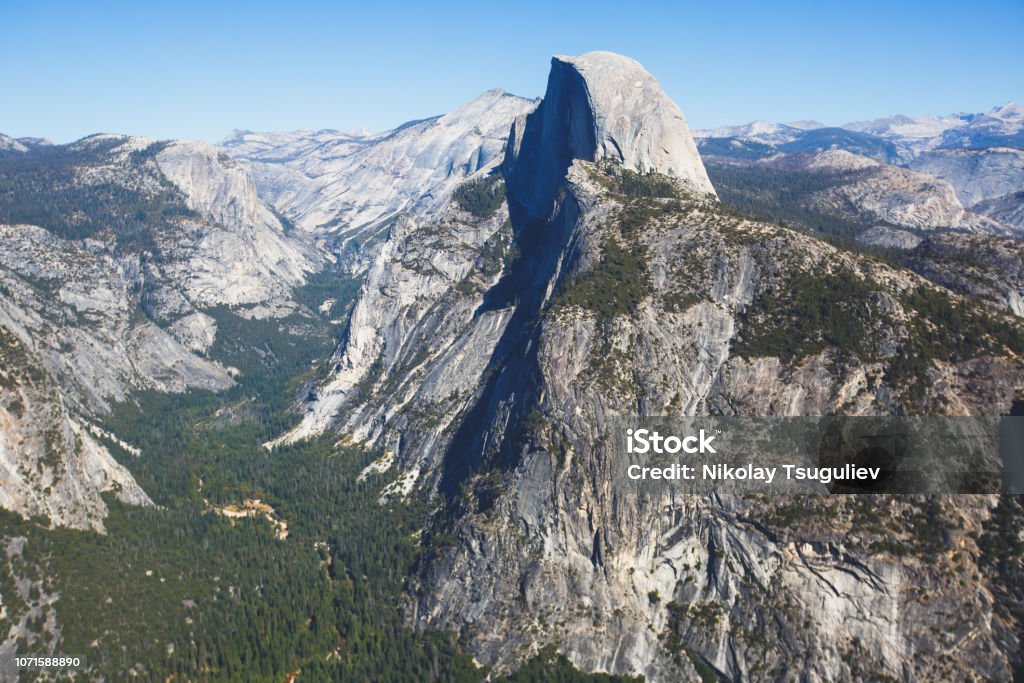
point(198, 72)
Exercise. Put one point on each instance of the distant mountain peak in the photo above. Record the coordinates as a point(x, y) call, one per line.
point(1010, 110)
point(903, 137)
point(492, 104)
point(806, 125)
point(9, 144)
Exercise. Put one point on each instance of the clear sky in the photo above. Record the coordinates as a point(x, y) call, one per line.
point(199, 69)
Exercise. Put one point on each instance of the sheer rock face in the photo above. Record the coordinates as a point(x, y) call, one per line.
point(417, 338)
point(549, 552)
point(75, 307)
point(599, 106)
point(238, 254)
point(465, 362)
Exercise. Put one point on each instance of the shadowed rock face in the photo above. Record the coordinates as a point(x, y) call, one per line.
point(548, 552)
point(484, 355)
point(599, 106)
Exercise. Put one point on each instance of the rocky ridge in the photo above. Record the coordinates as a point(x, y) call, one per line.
point(869, 190)
point(978, 154)
point(111, 298)
point(346, 189)
point(490, 374)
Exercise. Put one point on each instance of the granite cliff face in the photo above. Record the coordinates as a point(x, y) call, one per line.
point(583, 116)
point(344, 189)
point(990, 180)
point(599, 106)
point(489, 371)
point(548, 551)
point(246, 259)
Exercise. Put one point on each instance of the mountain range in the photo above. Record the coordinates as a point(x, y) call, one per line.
point(470, 301)
point(1000, 126)
point(890, 180)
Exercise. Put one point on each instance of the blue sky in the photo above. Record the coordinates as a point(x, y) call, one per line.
point(198, 70)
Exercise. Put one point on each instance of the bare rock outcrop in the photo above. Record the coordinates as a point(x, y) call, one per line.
point(599, 106)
